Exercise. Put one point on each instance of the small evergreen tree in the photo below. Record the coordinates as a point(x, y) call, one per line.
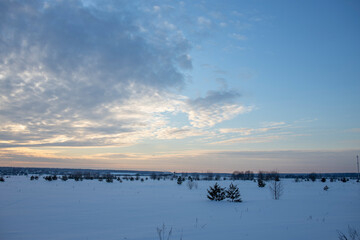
point(326, 188)
point(109, 178)
point(64, 178)
point(323, 179)
point(179, 180)
point(2, 179)
point(48, 178)
point(261, 183)
point(216, 193)
point(233, 193)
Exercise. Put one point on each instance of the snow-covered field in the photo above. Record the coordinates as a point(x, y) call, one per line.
point(134, 210)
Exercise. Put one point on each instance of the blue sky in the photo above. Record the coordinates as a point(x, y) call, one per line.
point(180, 85)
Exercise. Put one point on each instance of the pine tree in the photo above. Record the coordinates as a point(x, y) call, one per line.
point(216, 193)
point(64, 178)
point(233, 193)
point(179, 180)
point(261, 183)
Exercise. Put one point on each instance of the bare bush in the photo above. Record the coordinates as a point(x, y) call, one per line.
point(192, 184)
point(352, 234)
point(163, 233)
point(276, 189)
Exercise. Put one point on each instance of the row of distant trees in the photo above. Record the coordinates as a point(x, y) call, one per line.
point(261, 177)
point(79, 177)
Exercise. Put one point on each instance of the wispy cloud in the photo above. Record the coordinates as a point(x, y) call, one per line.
point(257, 139)
point(354, 130)
point(178, 133)
point(272, 131)
point(216, 107)
point(238, 36)
point(204, 22)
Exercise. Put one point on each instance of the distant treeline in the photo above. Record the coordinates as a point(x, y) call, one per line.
point(71, 171)
point(236, 175)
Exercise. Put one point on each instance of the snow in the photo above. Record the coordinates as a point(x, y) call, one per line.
point(91, 209)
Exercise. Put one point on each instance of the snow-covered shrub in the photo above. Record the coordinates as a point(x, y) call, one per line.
point(2, 179)
point(261, 183)
point(323, 179)
point(326, 188)
point(109, 178)
point(352, 234)
point(344, 179)
point(180, 180)
point(216, 193)
point(233, 193)
point(64, 178)
point(49, 178)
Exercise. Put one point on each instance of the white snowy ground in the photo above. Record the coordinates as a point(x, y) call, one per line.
point(133, 210)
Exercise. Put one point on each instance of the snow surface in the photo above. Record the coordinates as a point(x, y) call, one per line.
point(91, 209)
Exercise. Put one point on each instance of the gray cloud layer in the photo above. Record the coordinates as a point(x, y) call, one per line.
point(96, 74)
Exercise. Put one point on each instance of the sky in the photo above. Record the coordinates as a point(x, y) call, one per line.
point(180, 85)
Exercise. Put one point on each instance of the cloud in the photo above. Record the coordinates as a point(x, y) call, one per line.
point(271, 131)
point(96, 74)
point(257, 139)
point(354, 130)
point(178, 133)
point(273, 124)
point(239, 36)
point(204, 22)
point(245, 131)
point(216, 107)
